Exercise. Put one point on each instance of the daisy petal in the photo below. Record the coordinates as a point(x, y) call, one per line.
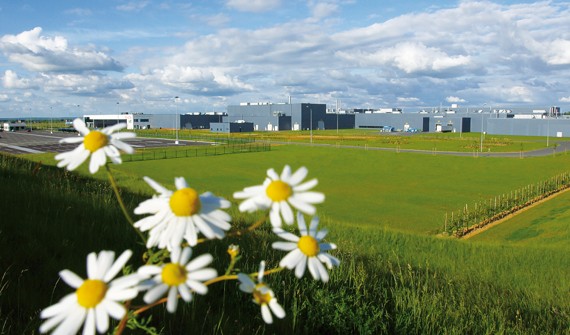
point(172, 301)
point(155, 293)
point(299, 175)
point(71, 278)
point(266, 314)
point(276, 309)
point(285, 246)
point(306, 186)
point(101, 317)
point(118, 265)
point(199, 262)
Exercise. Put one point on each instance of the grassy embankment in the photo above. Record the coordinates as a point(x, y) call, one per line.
point(389, 281)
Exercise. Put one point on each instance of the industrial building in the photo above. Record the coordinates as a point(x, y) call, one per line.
point(231, 127)
point(265, 116)
point(154, 121)
point(287, 116)
point(13, 126)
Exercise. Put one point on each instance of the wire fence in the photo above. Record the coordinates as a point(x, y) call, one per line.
point(201, 151)
point(468, 219)
point(193, 137)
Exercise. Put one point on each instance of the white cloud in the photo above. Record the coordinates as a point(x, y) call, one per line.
point(79, 12)
point(92, 85)
point(557, 52)
point(11, 80)
point(515, 93)
point(4, 98)
point(564, 99)
point(408, 99)
point(199, 81)
point(43, 54)
point(321, 10)
point(133, 6)
point(453, 99)
point(215, 20)
point(409, 57)
point(256, 6)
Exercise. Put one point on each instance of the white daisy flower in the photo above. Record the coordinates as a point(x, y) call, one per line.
point(98, 144)
point(262, 295)
point(306, 250)
point(179, 276)
point(95, 298)
point(280, 193)
point(180, 215)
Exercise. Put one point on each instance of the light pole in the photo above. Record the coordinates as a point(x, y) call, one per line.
point(311, 123)
point(176, 119)
point(337, 117)
point(547, 130)
point(118, 114)
point(481, 132)
point(50, 120)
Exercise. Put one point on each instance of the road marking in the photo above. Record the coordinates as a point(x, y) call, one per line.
point(32, 151)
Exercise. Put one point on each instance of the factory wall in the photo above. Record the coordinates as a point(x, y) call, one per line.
point(529, 127)
point(199, 121)
point(422, 122)
point(271, 117)
point(343, 121)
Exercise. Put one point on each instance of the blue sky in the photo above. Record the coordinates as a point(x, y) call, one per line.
point(79, 57)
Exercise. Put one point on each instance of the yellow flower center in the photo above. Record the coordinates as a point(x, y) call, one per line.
point(278, 190)
point(261, 295)
point(91, 292)
point(308, 245)
point(95, 140)
point(173, 274)
point(185, 202)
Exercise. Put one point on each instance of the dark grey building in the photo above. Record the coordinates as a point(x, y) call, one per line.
point(231, 127)
point(281, 116)
point(200, 121)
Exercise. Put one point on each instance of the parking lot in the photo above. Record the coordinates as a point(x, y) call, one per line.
point(22, 142)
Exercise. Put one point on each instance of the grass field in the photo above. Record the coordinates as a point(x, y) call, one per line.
point(462, 142)
point(395, 277)
point(408, 192)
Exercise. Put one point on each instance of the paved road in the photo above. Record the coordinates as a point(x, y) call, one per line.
point(43, 141)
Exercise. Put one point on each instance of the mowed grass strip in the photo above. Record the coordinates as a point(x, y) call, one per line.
point(546, 224)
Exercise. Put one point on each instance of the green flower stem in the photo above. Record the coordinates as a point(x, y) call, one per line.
point(233, 262)
point(241, 231)
point(121, 203)
point(250, 228)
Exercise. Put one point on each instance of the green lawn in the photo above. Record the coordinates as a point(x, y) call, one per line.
point(403, 191)
point(544, 224)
